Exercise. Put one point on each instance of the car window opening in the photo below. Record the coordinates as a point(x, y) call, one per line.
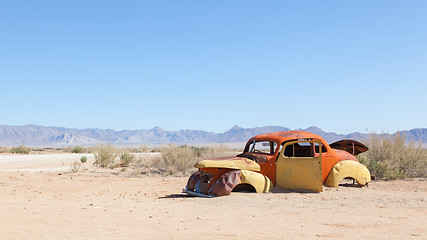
point(300, 149)
point(264, 147)
point(316, 148)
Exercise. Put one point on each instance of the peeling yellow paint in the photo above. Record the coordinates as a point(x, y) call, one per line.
point(299, 172)
point(260, 182)
point(233, 163)
point(348, 168)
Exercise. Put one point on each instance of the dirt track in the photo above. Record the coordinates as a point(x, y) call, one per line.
point(94, 205)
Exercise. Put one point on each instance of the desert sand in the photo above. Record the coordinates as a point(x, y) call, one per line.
point(42, 199)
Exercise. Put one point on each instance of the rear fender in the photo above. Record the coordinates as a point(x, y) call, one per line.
point(348, 169)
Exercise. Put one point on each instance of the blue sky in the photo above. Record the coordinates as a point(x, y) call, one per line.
point(343, 66)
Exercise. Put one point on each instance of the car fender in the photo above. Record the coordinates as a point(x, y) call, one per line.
point(260, 182)
point(228, 181)
point(193, 180)
point(348, 169)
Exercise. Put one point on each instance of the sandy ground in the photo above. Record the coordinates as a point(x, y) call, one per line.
point(40, 201)
point(40, 162)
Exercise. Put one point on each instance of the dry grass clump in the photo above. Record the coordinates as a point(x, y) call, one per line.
point(4, 150)
point(141, 149)
point(166, 160)
point(390, 157)
point(179, 160)
point(175, 159)
point(126, 158)
point(21, 149)
point(105, 156)
point(214, 151)
point(75, 166)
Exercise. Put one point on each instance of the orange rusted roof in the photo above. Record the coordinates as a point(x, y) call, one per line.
point(286, 136)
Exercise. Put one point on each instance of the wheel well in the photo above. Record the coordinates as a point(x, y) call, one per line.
point(244, 187)
point(347, 181)
point(345, 169)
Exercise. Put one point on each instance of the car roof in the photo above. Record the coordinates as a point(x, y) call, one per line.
point(286, 136)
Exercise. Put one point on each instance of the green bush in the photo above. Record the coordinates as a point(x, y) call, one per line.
point(83, 159)
point(390, 157)
point(77, 149)
point(105, 156)
point(21, 149)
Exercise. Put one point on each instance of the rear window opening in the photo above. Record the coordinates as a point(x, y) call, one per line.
point(317, 148)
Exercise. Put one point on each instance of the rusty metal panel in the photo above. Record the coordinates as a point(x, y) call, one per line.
point(352, 146)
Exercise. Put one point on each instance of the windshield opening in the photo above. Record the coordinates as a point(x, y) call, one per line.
point(265, 147)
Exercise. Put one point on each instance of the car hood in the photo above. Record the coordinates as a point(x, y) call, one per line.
point(229, 162)
point(351, 146)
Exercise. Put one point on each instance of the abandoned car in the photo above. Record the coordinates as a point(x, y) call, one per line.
point(290, 160)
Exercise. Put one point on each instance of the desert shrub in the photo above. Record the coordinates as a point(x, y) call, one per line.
point(77, 149)
point(4, 150)
point(155, 150)
point(75, 166)
point(126, 158)
point(65, 149)
point(144, 149)
point(21, 149)
point(83, 159)
point(390, 157)
point(92, 149)
point(215, 151)
point(177, 160)
point(141, 149)
point(105, 156)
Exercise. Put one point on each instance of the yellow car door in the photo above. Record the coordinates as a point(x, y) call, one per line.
point(299, 167)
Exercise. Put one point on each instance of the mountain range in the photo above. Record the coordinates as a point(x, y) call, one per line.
point(34, 135)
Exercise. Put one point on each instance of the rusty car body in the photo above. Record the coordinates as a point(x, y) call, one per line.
point(289, 160)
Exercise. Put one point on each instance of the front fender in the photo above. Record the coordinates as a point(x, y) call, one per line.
point(260, 182)
point(348, 169)
point(228, 181)
point(193, 180)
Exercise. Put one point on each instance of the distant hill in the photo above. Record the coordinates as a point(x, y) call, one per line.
point(33, 135)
